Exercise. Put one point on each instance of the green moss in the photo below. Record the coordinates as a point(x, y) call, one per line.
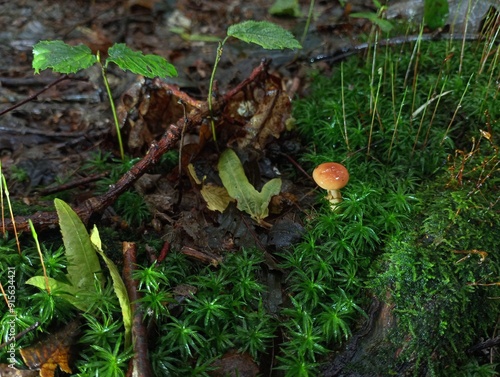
point(441, 272)
point(423, 194)
point(355, 124)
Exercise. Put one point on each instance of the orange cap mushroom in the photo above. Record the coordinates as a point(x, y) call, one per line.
point(331, 176)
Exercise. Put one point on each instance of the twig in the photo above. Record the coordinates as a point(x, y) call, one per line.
point(73, 184)
point(92, 206)
point(34, 96)
point(347, 51)
point(139, 365)
point(163, 253)
point(20, 335)
point(486, 344)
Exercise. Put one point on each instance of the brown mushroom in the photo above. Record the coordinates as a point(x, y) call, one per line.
point(331, 176)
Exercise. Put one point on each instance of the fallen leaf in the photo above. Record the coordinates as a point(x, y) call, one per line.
point(263, 111)
point(237, 185)
point(52, 352)
point(145, 109)
point(285, 233)
point(234, 364)
point(233, 229)
point(216, 197)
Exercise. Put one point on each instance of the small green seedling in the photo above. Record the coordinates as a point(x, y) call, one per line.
point(83, 268)
point(83, 264)
point(263, 33)
point(64, 58)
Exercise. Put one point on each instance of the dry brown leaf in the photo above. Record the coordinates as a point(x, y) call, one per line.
point(235, 364)
point(146, 108)
point(263, 111)
point(52, 352)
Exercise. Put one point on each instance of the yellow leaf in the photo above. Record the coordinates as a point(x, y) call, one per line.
point(216, 197)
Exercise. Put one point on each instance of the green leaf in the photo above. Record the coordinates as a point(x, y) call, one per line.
point(83, 263)
point(64, 290)
point(384, 25)
point(61, 57)
point(289, 8)
point(265, 34)
point(435, 13)
point(146, 65)
point(236, 183)
point(118, 286)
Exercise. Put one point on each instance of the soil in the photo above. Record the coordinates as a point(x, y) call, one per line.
point(51, 136)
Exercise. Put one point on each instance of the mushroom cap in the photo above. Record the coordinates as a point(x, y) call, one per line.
point(331, 176)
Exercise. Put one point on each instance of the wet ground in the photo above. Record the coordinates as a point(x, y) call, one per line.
point(51, 135)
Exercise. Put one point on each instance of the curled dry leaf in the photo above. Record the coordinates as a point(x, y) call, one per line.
point(216, 197)
point(263, 109)
point(52, 352)
point(147, 108)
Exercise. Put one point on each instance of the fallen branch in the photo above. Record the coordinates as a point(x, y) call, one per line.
point(94, 206)
point(489, 343)
point(34, 96)
point(139, 365)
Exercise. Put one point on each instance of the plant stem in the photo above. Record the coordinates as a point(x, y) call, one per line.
point(308, 22)
point(375, 110)
point(343, 104)
point(35, 238)
point(210, 87)
point(113, 108)
point(5, 191)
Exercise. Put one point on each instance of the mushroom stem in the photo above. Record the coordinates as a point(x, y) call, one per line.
point(334, 197)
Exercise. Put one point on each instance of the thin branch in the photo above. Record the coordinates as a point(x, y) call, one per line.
point(169, 140)
point(34, 96)
point(139, 365)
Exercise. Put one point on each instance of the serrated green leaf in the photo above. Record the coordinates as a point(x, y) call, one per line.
point(265, 34)
point(83, 263)
point(61, 57)
point(146, 65)
point(118, 286)
point(236, 183)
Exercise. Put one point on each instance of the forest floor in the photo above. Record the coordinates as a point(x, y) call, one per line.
point(62, 141)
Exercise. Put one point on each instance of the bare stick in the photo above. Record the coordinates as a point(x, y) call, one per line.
point(92, 206)
point(139, 365)
point(34, 96)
